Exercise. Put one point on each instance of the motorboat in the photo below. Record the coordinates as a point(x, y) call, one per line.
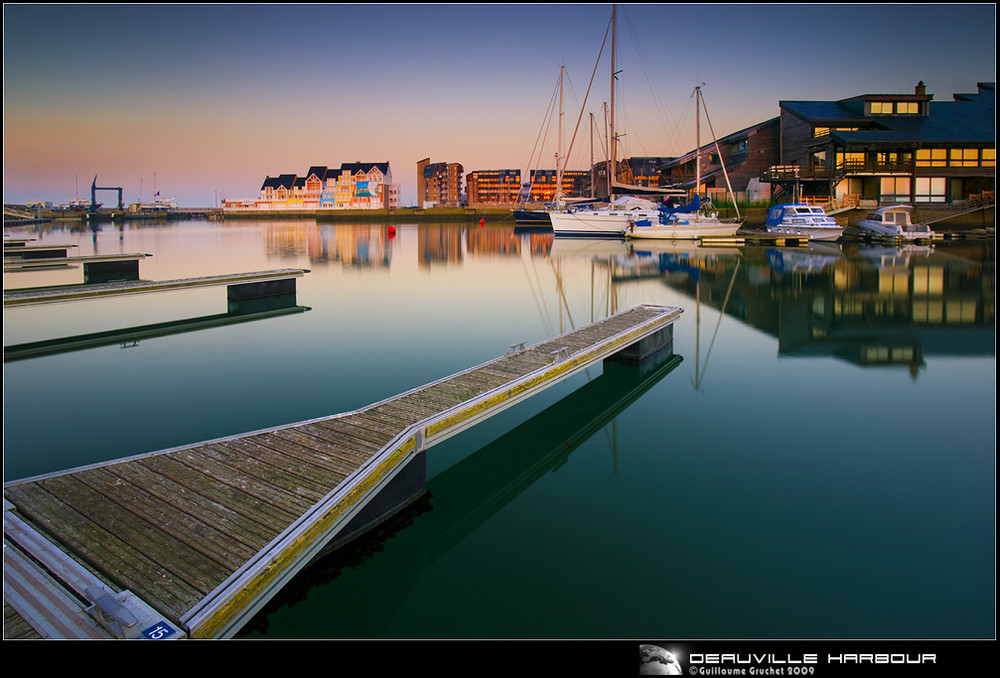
point(801, 219)
point(894, 222)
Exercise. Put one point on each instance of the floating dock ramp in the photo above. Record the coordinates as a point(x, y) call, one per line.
point(192, 541)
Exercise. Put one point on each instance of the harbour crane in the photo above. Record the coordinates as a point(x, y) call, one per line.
point(94, 188)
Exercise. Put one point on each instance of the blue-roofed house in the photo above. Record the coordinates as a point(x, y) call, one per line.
point(890, 148)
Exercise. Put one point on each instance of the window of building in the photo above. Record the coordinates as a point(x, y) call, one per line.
point(963, 157)
point(989, 157)
point(907, 107)
point(881, 107)
point(932, 157)
point(894, 190)
point(930, 189)
point(850, 160)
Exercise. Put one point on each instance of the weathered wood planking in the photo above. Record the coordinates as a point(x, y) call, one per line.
point(206, 533)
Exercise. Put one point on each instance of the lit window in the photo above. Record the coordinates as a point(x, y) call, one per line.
point(907, 107)
point(932, 157)
point(964, 157)
point(894, 190)
point(930, 189)
point(881, 107)
point(989, 157)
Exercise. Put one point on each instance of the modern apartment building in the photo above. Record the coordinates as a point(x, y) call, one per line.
point(439, 184)
point(493, 187)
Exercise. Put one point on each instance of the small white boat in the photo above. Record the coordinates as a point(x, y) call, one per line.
point(800, 219)
point(681, 223)
point(893, 222)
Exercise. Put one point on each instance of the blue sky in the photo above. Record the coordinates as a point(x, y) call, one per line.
point(210, 99)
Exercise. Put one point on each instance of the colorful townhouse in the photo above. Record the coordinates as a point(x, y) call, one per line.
point(354, 185)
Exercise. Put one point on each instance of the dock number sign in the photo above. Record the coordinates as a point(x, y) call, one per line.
point(159, 631)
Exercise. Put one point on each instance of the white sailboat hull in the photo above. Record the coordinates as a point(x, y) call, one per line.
point(589, 224)
point(685, 229)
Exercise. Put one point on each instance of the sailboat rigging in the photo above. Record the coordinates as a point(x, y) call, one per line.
point(687, 221)
point(624, 205)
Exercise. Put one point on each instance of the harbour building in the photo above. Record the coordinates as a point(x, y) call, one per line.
point(889, 148)
point(439, 184)
point(354, 185)
point(493, 187)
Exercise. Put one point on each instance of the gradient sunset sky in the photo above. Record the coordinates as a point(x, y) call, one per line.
point(208, 100)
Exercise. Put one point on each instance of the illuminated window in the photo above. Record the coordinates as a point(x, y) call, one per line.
point(963, 157)
point(881, 107)
point(907, 107)
point(989, 157)
point(930, 189)
point(932, 157)
point(894, 189)
point(850, 160)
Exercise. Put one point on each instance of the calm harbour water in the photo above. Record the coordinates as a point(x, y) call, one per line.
point(816, 461)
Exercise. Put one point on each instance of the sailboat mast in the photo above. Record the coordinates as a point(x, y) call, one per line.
point(697, 141)
point(591, 156)
point(559, 171)
point(613, 169)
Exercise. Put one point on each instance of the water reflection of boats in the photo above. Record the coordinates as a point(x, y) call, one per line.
point(799, 219)
point(895, 257)
point(813, 259)
point(894, 222)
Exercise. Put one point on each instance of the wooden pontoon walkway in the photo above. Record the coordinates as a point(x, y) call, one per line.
point(260, 282)
point(192, 541)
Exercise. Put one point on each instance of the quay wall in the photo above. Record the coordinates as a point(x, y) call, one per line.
point(404, 214)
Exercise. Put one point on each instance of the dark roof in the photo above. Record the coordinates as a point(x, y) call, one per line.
point(969, 119)
point(355, 167)
point(280, 181)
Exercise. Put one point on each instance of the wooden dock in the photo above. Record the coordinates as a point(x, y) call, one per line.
point(241, 285)
point(193, 541)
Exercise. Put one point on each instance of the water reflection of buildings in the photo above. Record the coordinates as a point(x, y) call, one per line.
point(373, 244)
point(868, 306)
point(365, 245)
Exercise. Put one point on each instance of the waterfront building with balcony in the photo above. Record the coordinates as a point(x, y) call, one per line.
point(493, 187)
point(741, 155)
point(354, 185)
point(439, 184)
point(575, 184)
point(889, 148)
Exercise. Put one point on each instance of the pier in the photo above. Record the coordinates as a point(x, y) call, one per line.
point(96, 268)
point(192, 541)
point(241, 287)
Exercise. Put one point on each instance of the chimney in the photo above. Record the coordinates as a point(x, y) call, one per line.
point(921, 88)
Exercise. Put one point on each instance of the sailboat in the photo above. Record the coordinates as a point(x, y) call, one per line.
point(540, 218)
point(687, 221)
point(611, 220)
